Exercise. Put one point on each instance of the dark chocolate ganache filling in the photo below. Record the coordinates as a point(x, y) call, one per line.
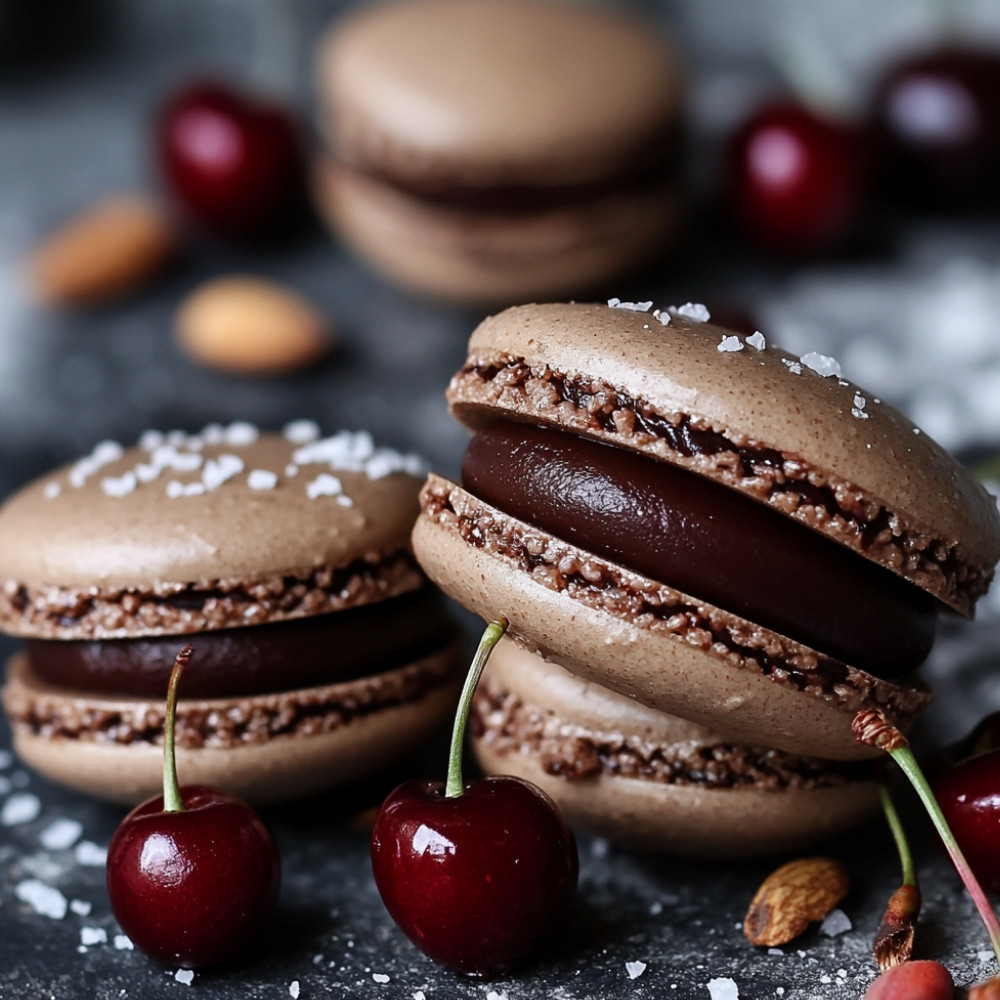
point(261, 659)
point(705, 540)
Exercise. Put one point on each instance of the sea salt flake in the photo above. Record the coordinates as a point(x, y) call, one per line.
point(723, 989)
point(80, 907)
point(380, 977)
point(150, 439)
point(61, 834)
point(419, 995)
point(89, 854)
point(43, 899)
point(656, 908)
point(262, 479)
point(240, 433)
point(859, 401)
point(119, 486)
point(821, 364)
point(324, 485)
point(793, 366)
point(93, 935)
point(692, 310)
point(493, 995)
point(757, 341)
point(985, 956)
point(175, 489)
point(146, 472)
point(293, 989)
point(729, 345)
point(221, 469)
point(635, 969)
point(836, 922)
point(859, 414)
point(301, 431)
point(775, 951)
point(52, 490)
point(20, 808)
point(825, 979)
point(123, 943)
point(344, 501)
point(640, 307)
point(663, 316)
point(185, 976)
point(291, 470)
point(106, 452)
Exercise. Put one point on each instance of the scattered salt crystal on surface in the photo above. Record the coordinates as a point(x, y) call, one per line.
point(146, 472)
point(60, 834)
point(631, 306)
point(859, 414)
point(692, 310)
point(775, 951)
point(985, 956)
point(780, 991)
point(635, 969)
point(655, 908)
point(90, 854)
point(195, 489)
point(493, 995)
point(729, 344)
point(836, 922)
point(793, 366)
point(93, 935)
point(119, 486)
point(380, 977)
point(212, 433)
point(324, 485)
point(123, 942)
point(185, 976)
point(175, 489)
point(723, 989)
point(291, 470)
point(757, 340)
point(821, 364)
point(663, 316)
point(240, 433)
point(825, 979)
point(262, 479)
point(52, 490)
point(345, 501)
point(419, 995)
point(80, 907)
point(859, 401)
point(150, 439)
point(106, 452)
point(301, 431)
point(600, 847)
point(20, 808)
point(43, 899)
point(293, 988)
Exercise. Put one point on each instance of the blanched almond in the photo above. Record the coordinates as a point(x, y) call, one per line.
point(105, 252)
point(251, 326)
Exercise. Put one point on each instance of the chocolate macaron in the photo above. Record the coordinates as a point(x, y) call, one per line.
point(652, 781)
point(702, 522)
point(495, 152)
point(320, 651)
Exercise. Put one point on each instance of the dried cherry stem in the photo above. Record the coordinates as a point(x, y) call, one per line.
point(172, 801)
point(894, 937)
point(454, 786)
point(872, 727)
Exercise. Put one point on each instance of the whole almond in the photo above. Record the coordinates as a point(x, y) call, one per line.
point(105, 252)
point(251, 326)
point(792, 898)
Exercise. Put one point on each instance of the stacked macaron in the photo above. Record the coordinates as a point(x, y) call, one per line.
point(713, 529)
point(494, 152)
point(320, 652)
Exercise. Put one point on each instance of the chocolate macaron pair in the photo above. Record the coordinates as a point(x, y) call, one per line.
point(713, 530)
point(320, 652)
point(498, 151)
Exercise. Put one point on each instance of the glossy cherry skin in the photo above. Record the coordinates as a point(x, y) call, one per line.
point(969, 795)
point(936, 118)
point(796, 179)
point(232, 161)
point(192, 888)
point(479, 881)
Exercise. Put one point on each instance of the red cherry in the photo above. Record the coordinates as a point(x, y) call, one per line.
point(477, 875)
point(192, 888)
point(796, 179)
point(193, 875)
point(233, 161)
point(936, 118)
point(913, 981)
point(478, 881)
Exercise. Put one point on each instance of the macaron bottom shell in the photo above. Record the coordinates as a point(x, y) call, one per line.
point(111, 747)
point(480, 257)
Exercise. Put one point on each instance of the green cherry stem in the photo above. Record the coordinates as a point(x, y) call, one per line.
point(872, 727)
point(899, 836)
point(172, 801)
point(454, 785)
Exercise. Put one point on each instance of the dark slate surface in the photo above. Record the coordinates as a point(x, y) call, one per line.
point(75, 128)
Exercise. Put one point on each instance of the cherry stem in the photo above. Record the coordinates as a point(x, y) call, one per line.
point(872, 727)
point(899, 836)
point(172, 801)
point(454, 786)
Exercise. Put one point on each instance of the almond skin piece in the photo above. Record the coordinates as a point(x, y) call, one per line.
point(250, 326)
point(793, 897)
point(106, 252)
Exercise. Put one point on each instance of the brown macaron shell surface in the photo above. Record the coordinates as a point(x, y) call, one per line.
point(652, 781)
point(283, 560)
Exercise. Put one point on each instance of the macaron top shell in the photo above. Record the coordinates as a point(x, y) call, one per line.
point(755, 418)
point(507, 90)
point(203, 511)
